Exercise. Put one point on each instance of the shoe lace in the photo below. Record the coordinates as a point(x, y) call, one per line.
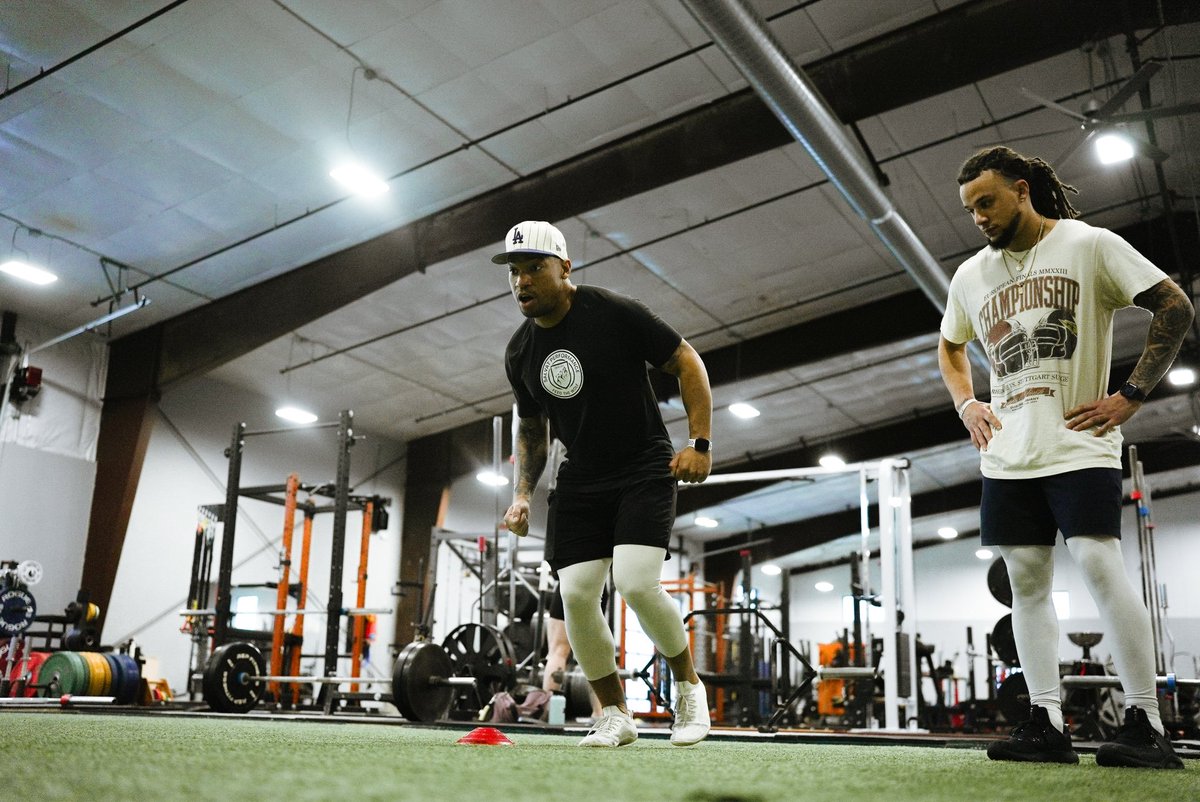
point(606, 725)
point(685, 709)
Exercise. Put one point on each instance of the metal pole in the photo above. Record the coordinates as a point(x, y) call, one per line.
point(225, 571)
point(337, 552)
point(887, 560)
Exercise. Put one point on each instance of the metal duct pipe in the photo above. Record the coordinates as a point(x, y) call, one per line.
point(745, 38)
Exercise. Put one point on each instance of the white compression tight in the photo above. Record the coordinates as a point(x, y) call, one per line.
point(636, 571)
point(1035, 625)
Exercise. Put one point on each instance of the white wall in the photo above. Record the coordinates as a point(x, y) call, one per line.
point(185, 468)
point(47, 462)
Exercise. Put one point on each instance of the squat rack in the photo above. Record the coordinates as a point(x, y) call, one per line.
point(374, 518)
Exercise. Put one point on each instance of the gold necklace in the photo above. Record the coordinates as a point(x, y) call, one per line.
point(1030, 254)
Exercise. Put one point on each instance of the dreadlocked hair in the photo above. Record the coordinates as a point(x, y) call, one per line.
point(1047, 194)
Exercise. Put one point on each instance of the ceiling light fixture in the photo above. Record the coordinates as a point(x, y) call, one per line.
point(823, 586)
point(491, 478)
point(771, 569)
point(1113, 148)
point(744, 410)
point(984, 554)
point(947, 532)
point(832, 461)
point(359, 180)
point(296, 415)
point(1182, 376)
point(27, 272)
point(706, 522)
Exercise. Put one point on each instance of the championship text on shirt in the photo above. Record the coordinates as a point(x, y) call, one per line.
point(1036, 292)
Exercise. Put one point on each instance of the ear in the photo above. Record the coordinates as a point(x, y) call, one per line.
point(566, 265)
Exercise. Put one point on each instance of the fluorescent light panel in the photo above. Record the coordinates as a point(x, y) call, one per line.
point(359, 180)
point(832, 461)
point(1182, 376)
point(706, 522)
point(296, 415)
point(743, 410)
point(491, 478)
point(27, 272)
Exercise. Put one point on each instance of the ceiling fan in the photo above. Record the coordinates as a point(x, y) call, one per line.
point(1097, 118)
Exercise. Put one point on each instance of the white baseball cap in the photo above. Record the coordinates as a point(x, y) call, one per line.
point(532, 237)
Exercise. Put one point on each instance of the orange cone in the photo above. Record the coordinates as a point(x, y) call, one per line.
point(485, 736)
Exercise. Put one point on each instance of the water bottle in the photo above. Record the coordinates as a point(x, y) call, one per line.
point(558, 710)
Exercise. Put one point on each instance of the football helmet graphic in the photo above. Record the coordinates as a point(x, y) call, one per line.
point(1056, 335)
point(1010, 348)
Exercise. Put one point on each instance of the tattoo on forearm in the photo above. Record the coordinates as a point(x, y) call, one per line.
point(1173, 314)
point(531, 453)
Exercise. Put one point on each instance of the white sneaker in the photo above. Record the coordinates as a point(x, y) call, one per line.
point(691, 714)
point(613, 728)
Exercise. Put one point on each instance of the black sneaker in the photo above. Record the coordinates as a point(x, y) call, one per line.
point(1035, 741)
point(1139, 745)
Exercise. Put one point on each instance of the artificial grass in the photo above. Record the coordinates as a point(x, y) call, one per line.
point(68, 756)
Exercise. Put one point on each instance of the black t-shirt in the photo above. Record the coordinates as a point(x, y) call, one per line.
point(588, 376)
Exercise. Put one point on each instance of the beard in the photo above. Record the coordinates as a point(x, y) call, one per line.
point(1006, 236)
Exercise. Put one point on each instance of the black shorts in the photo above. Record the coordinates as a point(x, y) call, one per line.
point(584, 525)
point(1029, 512)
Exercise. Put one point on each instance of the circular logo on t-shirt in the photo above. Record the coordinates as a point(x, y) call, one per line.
point(562, 375)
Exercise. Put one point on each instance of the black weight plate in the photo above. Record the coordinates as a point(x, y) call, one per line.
point(415, 697)
point(228, 687)
point(484, 654)
point(1003, 642)
point(998, 584)
point(577, 690)
point(520, 635)
point(1013, 698)
point(17, 609)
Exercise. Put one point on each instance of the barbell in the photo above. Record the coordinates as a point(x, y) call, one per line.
point(423, 681)
point(1169, 681)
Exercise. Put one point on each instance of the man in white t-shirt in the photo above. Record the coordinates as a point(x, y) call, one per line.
point(1040, 297)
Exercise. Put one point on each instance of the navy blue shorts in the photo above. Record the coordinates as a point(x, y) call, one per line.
point(1030, 512)
point(584, 525)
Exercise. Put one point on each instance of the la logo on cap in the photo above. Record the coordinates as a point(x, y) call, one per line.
point(531, 238)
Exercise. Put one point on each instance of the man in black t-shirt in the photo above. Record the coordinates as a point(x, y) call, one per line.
point(578, 362)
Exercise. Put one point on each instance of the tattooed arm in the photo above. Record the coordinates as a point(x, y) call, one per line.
point(532, 445)
point(1173, 313)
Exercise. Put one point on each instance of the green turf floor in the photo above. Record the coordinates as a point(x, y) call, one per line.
point(67, 756)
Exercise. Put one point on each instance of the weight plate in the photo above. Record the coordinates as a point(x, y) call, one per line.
point(17, 609)
point(36, 659)
point(82, 640)
point(1013, 698)
point(228, 687)
point(1003, 642)
point(997, 580)
point(63, 673)
point(415, 697)
point(520, 635)
point(100, 673)
point(114, 673)
point(577, 691)
point(126, 689)
point(29, 571)
point(484, 654)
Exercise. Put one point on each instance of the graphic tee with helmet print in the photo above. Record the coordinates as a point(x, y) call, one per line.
point(1047, 330)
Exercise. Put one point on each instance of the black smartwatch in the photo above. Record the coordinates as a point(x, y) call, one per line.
point(700, 444)
point(1132, 392)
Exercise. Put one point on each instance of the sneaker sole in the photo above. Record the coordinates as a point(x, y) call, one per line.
point(1065, 759)
point(1128, 762)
